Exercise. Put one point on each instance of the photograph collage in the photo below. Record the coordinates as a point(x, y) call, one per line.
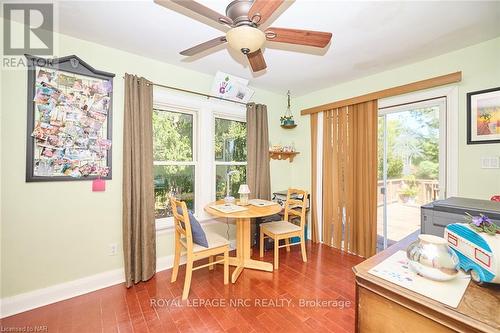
point(70, 130)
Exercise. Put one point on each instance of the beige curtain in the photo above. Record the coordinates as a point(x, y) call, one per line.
point(350, 178)
point(313, 222)
point(258, 172)
point(139, 239)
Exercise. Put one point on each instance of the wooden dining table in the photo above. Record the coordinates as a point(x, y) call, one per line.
point(243, 248)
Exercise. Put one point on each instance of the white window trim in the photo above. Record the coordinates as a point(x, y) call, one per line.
point(205, 111)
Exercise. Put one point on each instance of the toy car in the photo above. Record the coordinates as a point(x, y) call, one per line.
point(479, 253)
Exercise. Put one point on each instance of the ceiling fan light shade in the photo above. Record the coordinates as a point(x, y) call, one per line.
point(245, 39)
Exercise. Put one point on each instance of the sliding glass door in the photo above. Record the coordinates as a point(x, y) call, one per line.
point(411, 166)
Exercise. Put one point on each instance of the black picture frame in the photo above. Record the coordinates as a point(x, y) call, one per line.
point(71, 64)
point(470, 141)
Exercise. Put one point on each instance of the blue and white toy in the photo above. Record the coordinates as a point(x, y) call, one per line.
point(479, 253)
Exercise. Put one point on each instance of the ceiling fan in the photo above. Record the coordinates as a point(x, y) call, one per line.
point(244, 18)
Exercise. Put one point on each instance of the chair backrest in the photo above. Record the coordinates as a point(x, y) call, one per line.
point(296, 205)
point(181, 220)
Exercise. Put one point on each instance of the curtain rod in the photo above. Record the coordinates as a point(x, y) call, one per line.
point(194, 93)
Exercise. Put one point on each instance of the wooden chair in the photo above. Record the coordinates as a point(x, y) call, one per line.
point(279, 230)
point(184, 241)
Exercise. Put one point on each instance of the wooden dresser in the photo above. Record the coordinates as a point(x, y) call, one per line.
point(382, 306)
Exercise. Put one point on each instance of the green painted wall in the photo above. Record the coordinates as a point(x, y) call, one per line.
point(60, 231)
point(480, 66)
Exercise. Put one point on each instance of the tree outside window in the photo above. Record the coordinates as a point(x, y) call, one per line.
point(174, 159)
point(230, 154)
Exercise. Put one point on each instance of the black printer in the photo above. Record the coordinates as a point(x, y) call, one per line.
point(435, 216)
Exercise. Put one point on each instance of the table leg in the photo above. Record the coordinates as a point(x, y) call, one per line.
point(240, 249)
point(243, 251)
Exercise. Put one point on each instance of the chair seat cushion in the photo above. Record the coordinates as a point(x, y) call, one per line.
point(197, 232)
point(213, 240)
point(280, 227)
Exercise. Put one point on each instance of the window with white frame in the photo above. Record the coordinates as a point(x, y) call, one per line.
point(230, 152)
point(174, 156)
point(196, 143)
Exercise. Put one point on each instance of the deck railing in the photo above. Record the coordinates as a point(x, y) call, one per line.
point(427, 190)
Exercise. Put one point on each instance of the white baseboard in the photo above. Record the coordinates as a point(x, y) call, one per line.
point(59, 292)
point(27, 301)
point(40, 297)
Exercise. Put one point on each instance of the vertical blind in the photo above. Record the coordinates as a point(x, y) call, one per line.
point(350, 178)
point(314, 179)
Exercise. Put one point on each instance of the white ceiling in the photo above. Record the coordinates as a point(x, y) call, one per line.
point(368, 37)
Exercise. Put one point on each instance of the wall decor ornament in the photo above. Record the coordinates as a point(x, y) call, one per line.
point(483, 116)
point(69, 120)
point(287, 120)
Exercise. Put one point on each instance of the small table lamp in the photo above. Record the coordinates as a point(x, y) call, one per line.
point(229, 199)
point(244, 191)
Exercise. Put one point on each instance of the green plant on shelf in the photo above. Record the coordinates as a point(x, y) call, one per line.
point(287, 120)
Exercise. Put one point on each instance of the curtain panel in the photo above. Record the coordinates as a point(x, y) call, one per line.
point(258, 169)
point(350, 178)
point(139, 234)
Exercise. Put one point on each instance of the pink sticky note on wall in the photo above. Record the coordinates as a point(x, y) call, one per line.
point(98, 185)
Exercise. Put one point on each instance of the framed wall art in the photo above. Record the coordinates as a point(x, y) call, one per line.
point(483, 116)
point(69, 120)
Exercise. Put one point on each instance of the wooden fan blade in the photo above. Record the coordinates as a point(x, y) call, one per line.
point(264, 9)
point(257, 61)
point(299, 37)
point(204, 46)
point(199, 9)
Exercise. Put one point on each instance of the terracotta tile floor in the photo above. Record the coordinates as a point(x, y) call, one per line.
point(327, 276)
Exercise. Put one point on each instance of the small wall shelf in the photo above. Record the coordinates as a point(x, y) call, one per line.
point(283, 155)
point(289, 126)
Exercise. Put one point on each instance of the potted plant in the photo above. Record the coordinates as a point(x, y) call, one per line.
point(287, 120)
point(409, 191)
point(482, 223)
point(408, 194)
